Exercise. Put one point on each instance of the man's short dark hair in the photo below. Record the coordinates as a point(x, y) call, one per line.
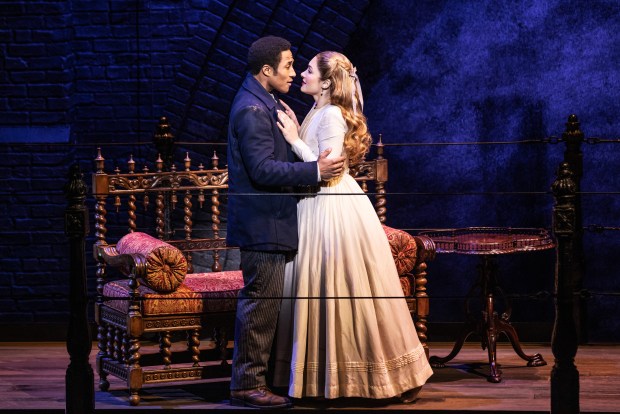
point(266, 51)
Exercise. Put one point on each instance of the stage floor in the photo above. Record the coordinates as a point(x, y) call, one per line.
point(32, 379)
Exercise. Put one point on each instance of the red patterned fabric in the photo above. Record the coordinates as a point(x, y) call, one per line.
point(405, 284)
point(404, 249)
point(199, 293)
point(408, 290)
point(166, 266)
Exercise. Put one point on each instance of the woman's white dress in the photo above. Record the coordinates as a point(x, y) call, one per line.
point(346, 331)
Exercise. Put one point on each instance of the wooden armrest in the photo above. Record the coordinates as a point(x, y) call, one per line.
point(426, 248)
point(132, 264)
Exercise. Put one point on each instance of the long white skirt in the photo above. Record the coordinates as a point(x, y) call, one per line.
point(348, 331)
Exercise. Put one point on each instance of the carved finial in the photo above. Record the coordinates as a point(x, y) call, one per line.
point(75, 188)
point(573, 134)
point(131, 164)
point(564, 185)
point(215, 160)
point(159, 163)
point(573, 137)
point(201, 198)
point(573, 123)
point(76, 214)
point(188, 161)
point(99, 161)
point(380, 147)
point(164, 141)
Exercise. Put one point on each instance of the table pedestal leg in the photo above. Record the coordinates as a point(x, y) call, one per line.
point(535, 360)
point(489, 327)
point(489, 338)
point(439, 362)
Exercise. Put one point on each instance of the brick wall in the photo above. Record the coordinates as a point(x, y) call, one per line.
point(75, 74)
point(36, 65)
point(34, 270)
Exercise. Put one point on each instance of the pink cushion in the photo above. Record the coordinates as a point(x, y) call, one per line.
point(199, 293)
point(166, 266)
point(404, 249)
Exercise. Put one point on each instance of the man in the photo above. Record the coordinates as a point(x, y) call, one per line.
point(262, 213)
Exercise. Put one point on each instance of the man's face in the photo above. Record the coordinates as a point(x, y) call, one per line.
point(281, 79)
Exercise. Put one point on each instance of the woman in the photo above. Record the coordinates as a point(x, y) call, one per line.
point(348, 333)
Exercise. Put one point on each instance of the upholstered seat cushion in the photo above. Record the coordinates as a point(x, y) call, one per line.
point(199, 293)
point(166, 266)
point(404, 249)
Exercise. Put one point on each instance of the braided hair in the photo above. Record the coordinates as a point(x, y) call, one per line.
point(346, 94)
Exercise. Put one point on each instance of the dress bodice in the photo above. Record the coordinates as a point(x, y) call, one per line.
point(321, 129)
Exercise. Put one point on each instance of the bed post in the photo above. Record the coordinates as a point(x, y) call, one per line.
point(564, 340)
point(573, 137)
point(79, 378)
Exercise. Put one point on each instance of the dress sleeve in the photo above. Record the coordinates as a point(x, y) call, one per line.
point(303, 151)
point(331, 132)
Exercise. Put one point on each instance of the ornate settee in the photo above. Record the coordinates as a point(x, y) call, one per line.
point(152, 285)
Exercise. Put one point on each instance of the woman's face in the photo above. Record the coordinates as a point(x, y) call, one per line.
point(311, 79)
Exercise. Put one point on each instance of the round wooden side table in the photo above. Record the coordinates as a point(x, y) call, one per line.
point(488, 242)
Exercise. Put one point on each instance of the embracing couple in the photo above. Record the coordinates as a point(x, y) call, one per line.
point(318, 272)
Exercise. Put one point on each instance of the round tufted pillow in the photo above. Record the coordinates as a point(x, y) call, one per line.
point(166, 266)
point(404, 250)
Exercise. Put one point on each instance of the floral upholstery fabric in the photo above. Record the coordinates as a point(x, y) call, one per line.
point(166, 266)
point(199, 293)
point(405, 284)
point(404, 249)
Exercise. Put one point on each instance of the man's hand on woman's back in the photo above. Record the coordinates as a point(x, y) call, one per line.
point(330, 167)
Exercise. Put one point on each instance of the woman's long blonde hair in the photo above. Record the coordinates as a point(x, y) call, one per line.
point(344, 93)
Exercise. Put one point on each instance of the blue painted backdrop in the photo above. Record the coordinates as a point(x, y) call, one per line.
point(497, 71)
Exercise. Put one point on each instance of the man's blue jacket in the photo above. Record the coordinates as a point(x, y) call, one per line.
point(262, 208)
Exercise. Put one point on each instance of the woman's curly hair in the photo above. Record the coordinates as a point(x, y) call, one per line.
point(337, 68)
